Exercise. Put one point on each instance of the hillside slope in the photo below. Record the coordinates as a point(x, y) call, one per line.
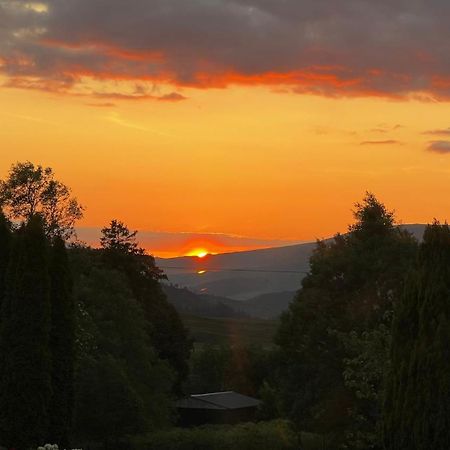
point(245, 275)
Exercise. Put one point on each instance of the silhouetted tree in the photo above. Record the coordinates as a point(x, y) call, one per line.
point(30, 190)
point(5, 244)
point(25, 382)
point(62, 344)
point(118, 238)
point(165, 328)
point(352, 284)
point(417, 407)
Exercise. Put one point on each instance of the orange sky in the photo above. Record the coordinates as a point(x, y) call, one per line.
point(242, 161)
point(234, 149)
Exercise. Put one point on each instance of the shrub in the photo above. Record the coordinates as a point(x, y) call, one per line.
point(276, 435)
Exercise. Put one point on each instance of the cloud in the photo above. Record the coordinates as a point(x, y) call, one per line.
point(438, 132)
point(385, 128)
point(116, 118)
point(385, 142)
point(172, 97)
point(102, 105)
point(442, 147)
point(341, 48)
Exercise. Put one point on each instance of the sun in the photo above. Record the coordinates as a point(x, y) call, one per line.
point(199, 252)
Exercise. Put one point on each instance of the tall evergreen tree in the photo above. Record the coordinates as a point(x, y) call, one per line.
point(5, 244)
point(417, 406)
point(62, 344)
point(25, 384)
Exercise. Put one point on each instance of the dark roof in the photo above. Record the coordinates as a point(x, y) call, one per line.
point(218, 400)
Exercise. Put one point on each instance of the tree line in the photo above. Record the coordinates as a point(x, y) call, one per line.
point(92, 352)
point(364, 347)
point(90, 349)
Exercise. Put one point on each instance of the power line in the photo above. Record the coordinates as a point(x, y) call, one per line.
point(234, 270)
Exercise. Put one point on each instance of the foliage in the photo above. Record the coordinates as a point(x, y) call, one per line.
point(25, 382)
point(121, 385)
point(5, 246)
point(121, 252)
point(417, 406)
point(111, 349)
point(352, 284)
point(276, 435)
point(62, 344)
point(364, 371)
point(208, 364)
point(118, 238)
point(31, 190)
point(247, 370)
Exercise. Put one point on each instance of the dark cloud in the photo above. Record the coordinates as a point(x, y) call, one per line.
point(172, 97)
point(438, 132)
point(441, 147)
point(340, 48)
point(385, 142)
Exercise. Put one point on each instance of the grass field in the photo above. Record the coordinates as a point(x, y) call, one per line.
point(231, 331)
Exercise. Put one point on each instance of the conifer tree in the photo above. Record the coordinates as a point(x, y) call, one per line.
point(417, 408)
point(167, 333)
point(5, 244)
point(25, 384)
point(62, 344)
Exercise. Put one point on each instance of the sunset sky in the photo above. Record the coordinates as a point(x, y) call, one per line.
point(229, 125)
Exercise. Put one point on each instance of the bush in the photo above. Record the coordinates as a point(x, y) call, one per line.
point(276, 435)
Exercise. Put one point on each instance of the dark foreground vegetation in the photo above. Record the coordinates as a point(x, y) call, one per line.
point(93, 355)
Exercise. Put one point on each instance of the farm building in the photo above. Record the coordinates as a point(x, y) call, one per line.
point(216, 408)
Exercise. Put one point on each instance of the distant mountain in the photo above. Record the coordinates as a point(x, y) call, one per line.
point(245, 275)
point(187, 302)
point(267, 306)
point(241, 275)
point(416, 229)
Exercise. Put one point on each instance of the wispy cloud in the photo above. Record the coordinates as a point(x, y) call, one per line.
point(384, 128)
point(442, 147)
point(102, 105)
point(438, 132)
point(385, 142)
point(170, 97)
point(30, 118)
point(116, 118)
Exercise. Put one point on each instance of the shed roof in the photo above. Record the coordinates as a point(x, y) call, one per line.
point(218, 400)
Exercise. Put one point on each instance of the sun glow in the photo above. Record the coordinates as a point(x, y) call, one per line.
point(199, 252)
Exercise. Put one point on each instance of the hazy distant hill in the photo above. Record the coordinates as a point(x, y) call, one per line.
point(241, 275)
point(245, 275)
point(266, 306)
point(187, 302)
